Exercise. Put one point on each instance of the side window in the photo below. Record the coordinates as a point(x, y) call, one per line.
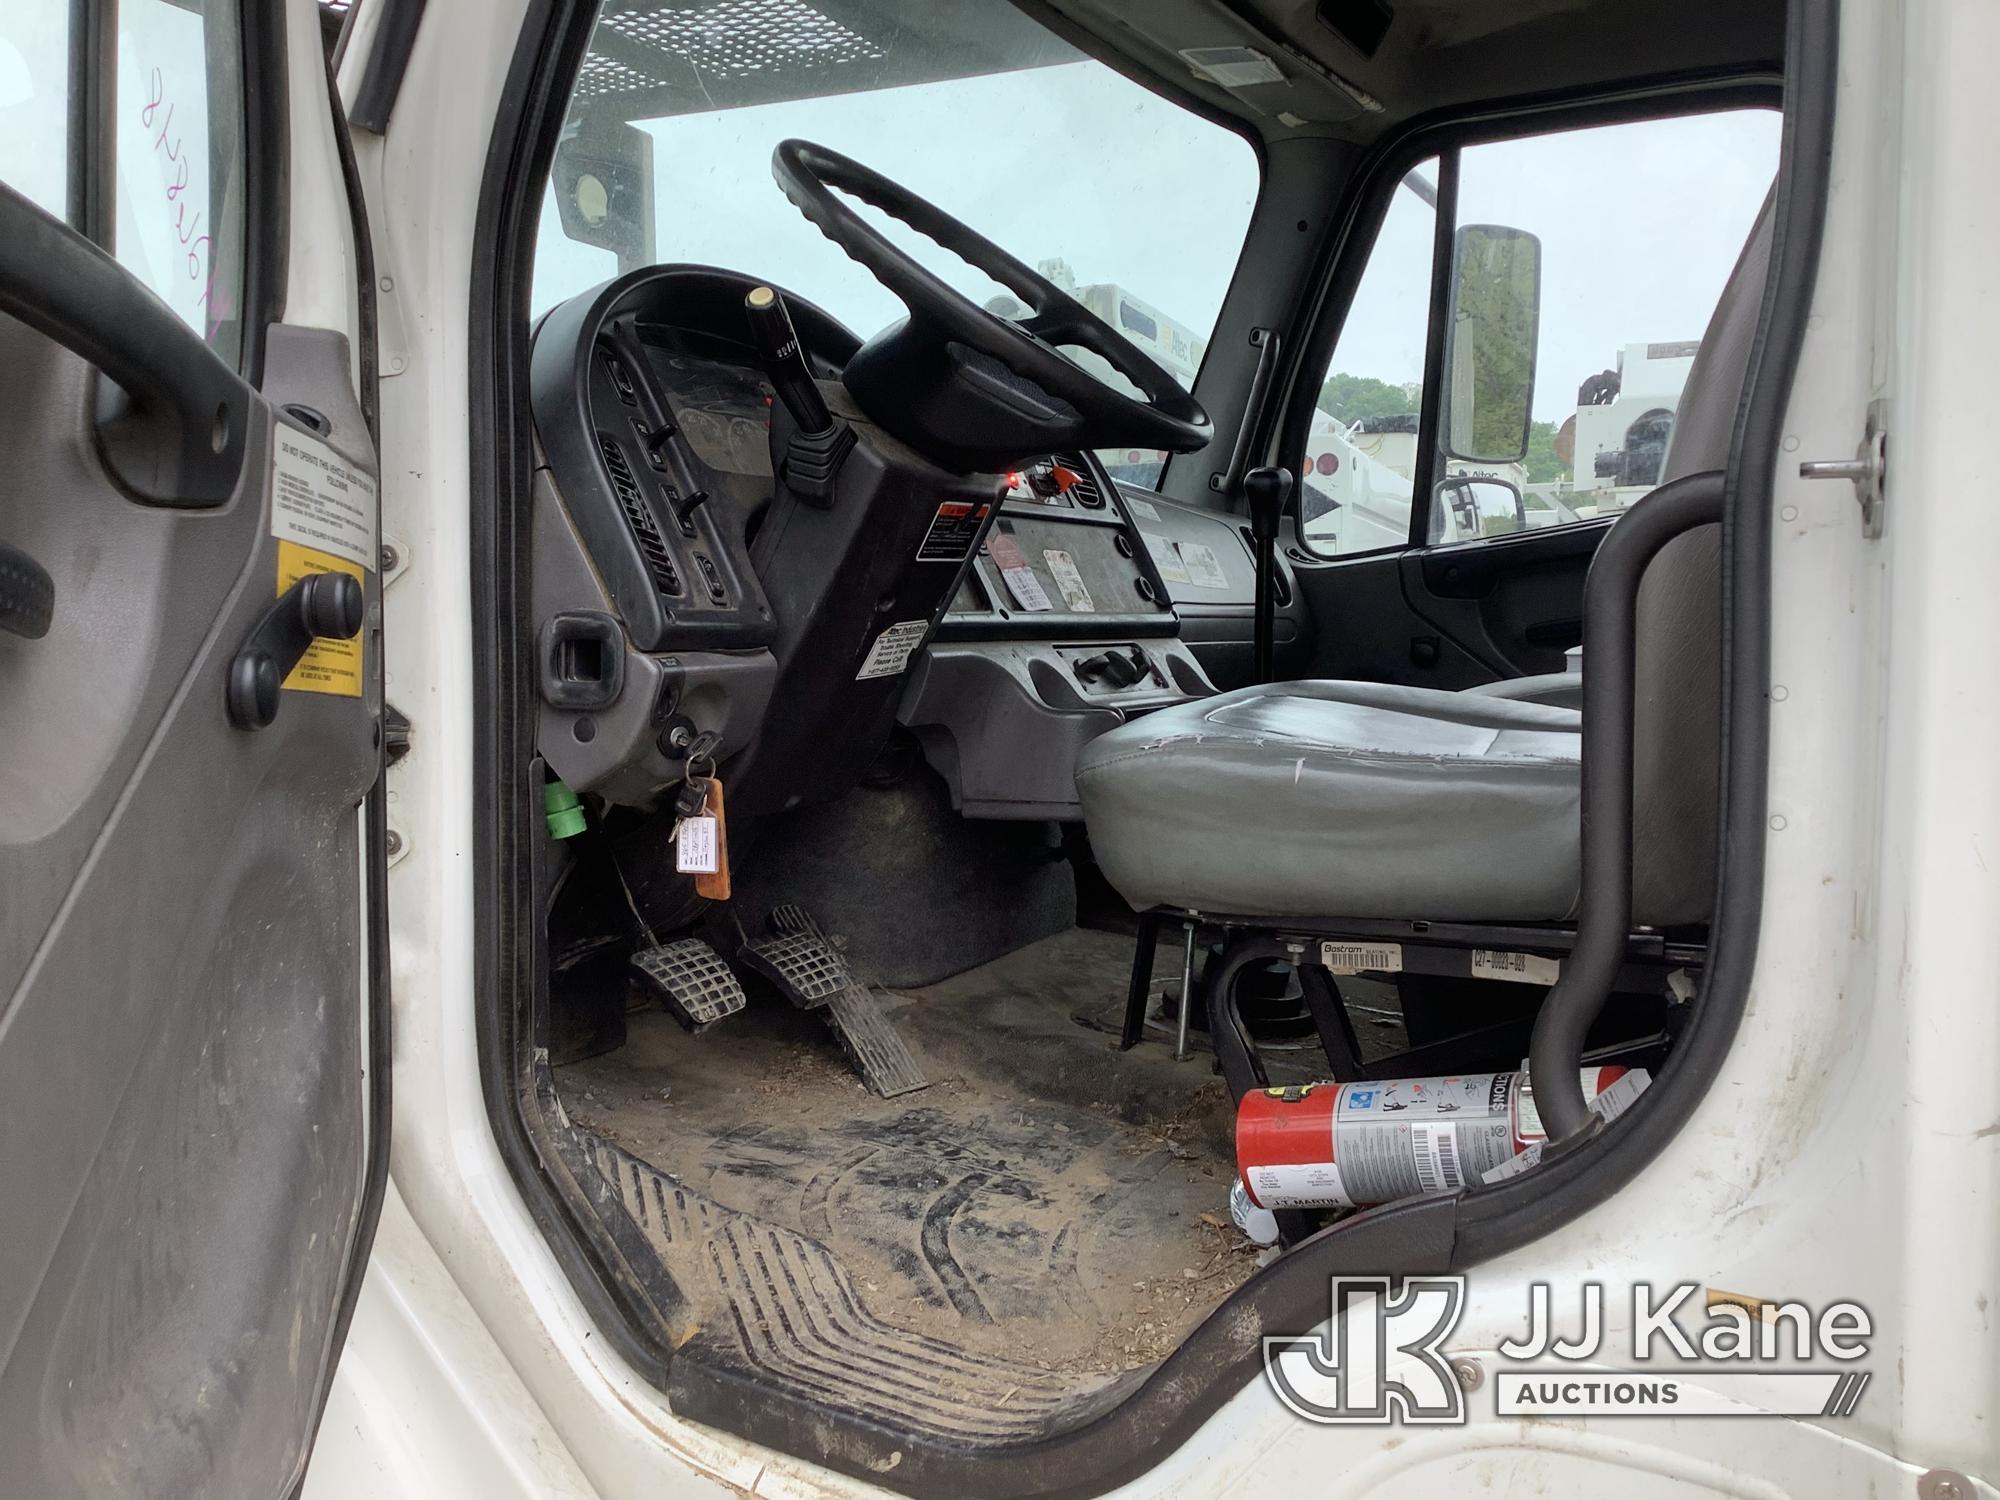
point(172, 149)
point(1585, 265)
point(1361, 450)
point(35, 101)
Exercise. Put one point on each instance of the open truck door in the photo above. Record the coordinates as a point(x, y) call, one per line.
point(190, 745)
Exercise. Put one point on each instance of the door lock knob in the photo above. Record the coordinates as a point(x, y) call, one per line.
point(319, 607)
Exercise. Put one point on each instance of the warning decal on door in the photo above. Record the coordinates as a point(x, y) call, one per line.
point(319, 500)
point(328, 666)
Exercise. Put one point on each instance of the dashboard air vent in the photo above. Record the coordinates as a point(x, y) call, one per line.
point(1085, 490)
point(659, 562)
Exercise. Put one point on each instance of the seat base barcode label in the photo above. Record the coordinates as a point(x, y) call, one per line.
point(1361, 958)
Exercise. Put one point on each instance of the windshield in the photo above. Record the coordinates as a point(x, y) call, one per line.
point(1134, 205)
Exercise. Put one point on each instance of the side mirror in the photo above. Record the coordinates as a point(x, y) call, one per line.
point(1464, 506)
point(603, 181)
point(1496, 309)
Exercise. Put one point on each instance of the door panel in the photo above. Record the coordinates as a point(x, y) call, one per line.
point(182, 945)
point(1452, 616)
point(1514, 603)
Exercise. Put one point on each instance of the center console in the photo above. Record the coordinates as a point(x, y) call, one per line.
point(1062, 628)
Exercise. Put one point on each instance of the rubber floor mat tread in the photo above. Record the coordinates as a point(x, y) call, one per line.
point(781, 1309)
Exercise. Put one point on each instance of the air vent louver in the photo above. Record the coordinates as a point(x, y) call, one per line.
point(659, 562)
point(1085, 490)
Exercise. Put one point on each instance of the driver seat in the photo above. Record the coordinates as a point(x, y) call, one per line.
point(1363, 800)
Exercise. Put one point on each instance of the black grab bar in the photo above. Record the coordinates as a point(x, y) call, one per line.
point(1604, 908)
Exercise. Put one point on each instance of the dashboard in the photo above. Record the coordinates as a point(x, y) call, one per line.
point(710, 574)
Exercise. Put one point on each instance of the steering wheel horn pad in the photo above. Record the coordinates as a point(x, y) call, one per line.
point(971, 389)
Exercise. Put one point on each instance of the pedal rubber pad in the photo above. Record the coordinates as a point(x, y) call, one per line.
point(690, 979)
point(802, 965)
point(869, 1039)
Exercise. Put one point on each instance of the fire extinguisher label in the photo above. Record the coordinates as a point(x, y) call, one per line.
point(1436, 1148)
point(1298, 1186)
point(1421, 1135)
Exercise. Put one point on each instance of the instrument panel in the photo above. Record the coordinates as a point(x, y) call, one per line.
point(656, 421)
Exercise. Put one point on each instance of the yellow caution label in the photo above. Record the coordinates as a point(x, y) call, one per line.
point(328, 666)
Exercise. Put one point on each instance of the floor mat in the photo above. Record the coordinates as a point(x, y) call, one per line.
point(781, 1308)
point(1050, 1210)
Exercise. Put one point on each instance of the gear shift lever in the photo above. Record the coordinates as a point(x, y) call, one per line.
point(817, 443)
point(1266, 490)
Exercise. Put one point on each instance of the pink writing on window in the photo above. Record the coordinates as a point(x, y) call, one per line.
point(182, 216)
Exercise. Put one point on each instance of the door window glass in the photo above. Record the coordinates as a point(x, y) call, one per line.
point(1361, 450)
point(34, 101)
point(179, 147)
point(1586, 265)
point(176, 141)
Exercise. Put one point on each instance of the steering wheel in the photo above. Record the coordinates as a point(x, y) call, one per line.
point(968, 387)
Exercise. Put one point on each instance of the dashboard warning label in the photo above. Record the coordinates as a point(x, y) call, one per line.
point(1166, 557)
point(952, 532)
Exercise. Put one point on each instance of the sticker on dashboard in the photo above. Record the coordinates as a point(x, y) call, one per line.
point(1069, 581)
point(953, 531)
point(893, 649)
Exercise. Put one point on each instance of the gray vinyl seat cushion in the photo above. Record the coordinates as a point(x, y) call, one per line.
point(1342, 799)
point(1562, 689)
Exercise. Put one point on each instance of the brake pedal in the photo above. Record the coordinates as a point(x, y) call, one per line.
point(870, 1040)
point(803, 966)
point(691, 980)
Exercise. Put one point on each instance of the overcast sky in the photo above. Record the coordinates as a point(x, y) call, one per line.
point(1640, 224)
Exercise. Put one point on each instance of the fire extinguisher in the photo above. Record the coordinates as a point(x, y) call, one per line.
point(1344, 1145)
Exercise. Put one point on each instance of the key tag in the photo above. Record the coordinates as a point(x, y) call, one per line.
point(714, 884)
point(700, 846)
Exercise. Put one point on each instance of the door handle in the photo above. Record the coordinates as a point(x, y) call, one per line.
point(173, 421)
point(319, 607)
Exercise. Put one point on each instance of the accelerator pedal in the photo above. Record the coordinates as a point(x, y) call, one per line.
point(870, 1040)
point(865, 1034)
point(690, 979)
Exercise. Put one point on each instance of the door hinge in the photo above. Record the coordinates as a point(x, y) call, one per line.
point(395, 734)
point(1868, 469)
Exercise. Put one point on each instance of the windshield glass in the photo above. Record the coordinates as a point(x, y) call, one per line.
point(1134, 205)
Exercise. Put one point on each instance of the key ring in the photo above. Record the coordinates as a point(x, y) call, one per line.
point(702, 752)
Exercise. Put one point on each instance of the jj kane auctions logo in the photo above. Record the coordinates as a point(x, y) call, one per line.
point(1380, 1358)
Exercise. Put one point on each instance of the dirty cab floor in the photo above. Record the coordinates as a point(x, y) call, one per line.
point(1048, 1213)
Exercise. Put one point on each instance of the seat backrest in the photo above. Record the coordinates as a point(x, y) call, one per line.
point(1676, 768)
